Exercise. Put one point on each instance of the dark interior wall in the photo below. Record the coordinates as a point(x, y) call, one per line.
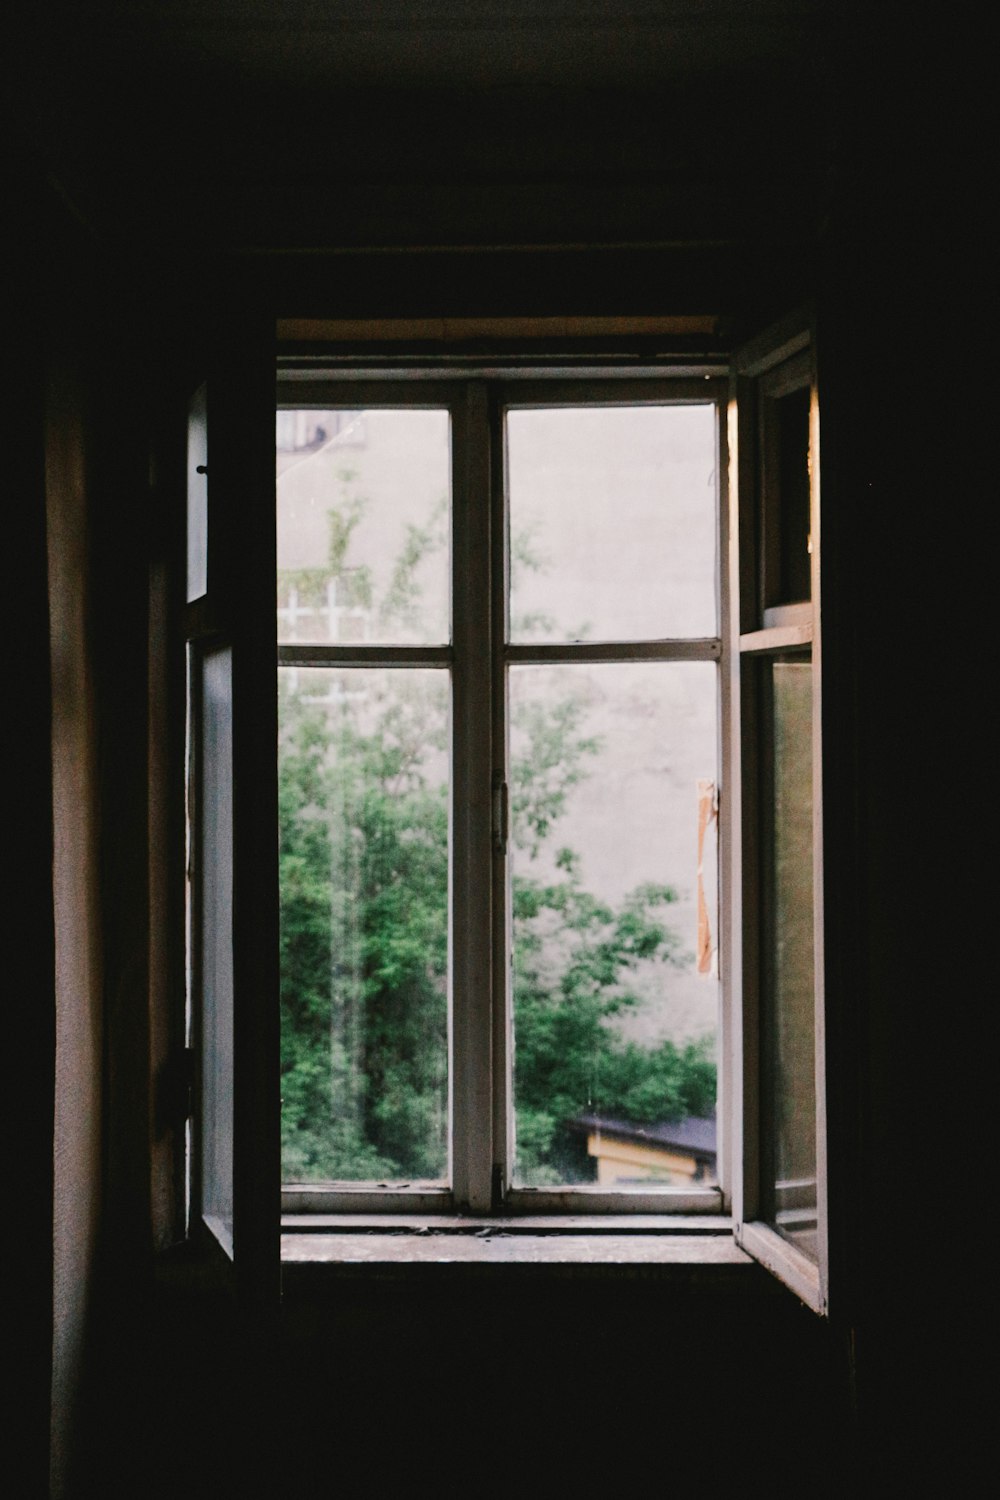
point(171, 1371)
point(145, 1373)
point(536, 1369)
point(906, 419)
point(572, 1385)
point(29, 1071)
point(78, 1140)
point(79, 441)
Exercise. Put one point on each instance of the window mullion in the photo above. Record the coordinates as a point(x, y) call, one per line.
point(471, 895)
point(503, 1037)
point(730, 1088)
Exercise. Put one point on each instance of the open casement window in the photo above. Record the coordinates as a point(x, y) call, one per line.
point(232, 896)
point(524, 917)
point(777, 942)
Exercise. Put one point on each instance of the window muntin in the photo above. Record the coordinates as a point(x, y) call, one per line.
point(473, 1041)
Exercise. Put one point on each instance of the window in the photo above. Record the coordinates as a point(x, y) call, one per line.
point(780, 1191)
point(547, 798)
point(499, 713)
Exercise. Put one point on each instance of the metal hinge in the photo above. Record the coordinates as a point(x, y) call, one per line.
point(496, 1189)
point(175, 1089)
point(499, 813)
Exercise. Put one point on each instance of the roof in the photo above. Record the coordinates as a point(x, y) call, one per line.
point(692, 1133)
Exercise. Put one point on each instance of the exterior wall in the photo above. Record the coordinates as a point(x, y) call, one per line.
point(626, 1159)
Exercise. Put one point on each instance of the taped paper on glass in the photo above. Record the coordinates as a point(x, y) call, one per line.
point(707, 812)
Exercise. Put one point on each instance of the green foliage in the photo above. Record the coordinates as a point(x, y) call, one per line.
point(363, 859)
point(548, 766)
point(574, 958)
point(364, 935)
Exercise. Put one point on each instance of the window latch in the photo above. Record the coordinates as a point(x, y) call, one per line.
point(500, 813)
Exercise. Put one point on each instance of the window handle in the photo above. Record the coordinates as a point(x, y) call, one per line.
point(500, 813)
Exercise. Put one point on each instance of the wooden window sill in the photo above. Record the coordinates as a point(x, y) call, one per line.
point(406, 1245)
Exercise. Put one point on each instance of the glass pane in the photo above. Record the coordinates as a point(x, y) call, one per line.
point(363, 503)
point(786, 499)
point(789, 960)
point(363, 807)
point(197, 496)
point(216, 940)
point(612, 522)
point(614, 978)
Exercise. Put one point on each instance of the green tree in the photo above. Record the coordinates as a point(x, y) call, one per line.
point(575, 962)
point(363, 868)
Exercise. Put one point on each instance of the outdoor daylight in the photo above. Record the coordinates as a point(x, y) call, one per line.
point(612, 772)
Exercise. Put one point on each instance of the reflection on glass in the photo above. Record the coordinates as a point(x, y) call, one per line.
point(614, 1060)
point(613, 510)
point(363, 807)
point(215, 930)
point(363, 500)
point(789, 961)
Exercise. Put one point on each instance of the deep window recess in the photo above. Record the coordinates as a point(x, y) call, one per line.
point(500, 718)
point(547, 803)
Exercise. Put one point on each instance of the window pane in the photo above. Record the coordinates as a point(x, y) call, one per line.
point(215, 933)
point(786, 543)
point(363, 503)
point(612, 522)
point(789, 961)
point(614, 978)
point(197, 495)
point(363, 806)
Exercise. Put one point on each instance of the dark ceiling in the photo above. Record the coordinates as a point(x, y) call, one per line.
point(299, 124)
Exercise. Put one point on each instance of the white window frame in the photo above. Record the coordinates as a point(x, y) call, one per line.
point(480, 1008)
